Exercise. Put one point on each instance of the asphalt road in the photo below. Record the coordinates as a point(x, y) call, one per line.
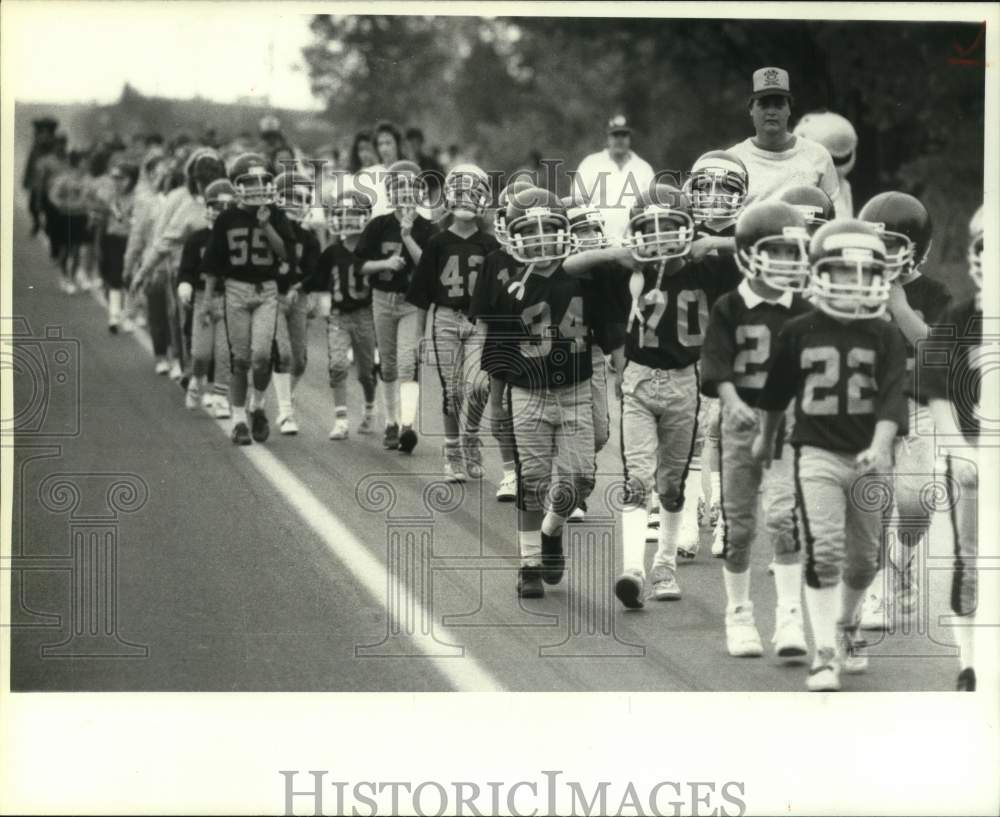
point(306, 564)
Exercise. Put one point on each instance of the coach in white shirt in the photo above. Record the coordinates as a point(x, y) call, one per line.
point(611, 179)
point(774, 157)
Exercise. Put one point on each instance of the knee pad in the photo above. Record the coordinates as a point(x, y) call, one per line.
point(240, 365)
point(338, 376)
point(262, 362)
point(637, 494)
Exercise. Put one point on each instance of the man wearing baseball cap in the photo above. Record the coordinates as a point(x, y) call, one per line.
point(611, 178)
point(774, 157)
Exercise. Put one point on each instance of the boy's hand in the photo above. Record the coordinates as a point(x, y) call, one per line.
point(395, 263)
point(741, 415)
point(873, 459)
point(185, 292)
point(702, 247)
point(762, 450)
point(263, 214)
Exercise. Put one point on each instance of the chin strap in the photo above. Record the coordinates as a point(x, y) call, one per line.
point(516, 288)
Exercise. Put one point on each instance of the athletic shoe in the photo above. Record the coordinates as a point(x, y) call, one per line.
point(176, 372)
point(341, 429)
point(407, 439)
point(207, 400)
point(507, 489)
point(367, 425)
point(162, 367)
point(742, 638)
point(183, 381)
point(192, 398)
point(579, 514)
point(241, 434)
point(128, 325)
point(287, 424)
point(553, 558)
point(689, 538)
point(473, 456)
point(653, 526)
point(391, 439)
point(258, 425)
point(966, 680)
point(529, 582)
point(629, 588)
point(68, 287)
point(789, 634)
point(719, 540)
point(874, 612)
point(825, 674)
point(665, 586)
point(220, 408)
point(848, 645)
point(453, 471)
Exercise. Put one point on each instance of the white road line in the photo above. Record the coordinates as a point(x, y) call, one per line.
point(465, 673)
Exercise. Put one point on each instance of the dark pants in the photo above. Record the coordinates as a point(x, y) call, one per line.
point(113, 260)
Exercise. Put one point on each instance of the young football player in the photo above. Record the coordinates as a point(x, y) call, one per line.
point(112, 229)
point(550, 314)
point(390, 248)
point(953, 387)
point(248, 244)
point(445, 279)
point(209, 345)
point(294, 195)
point(845, 369)
point(914, 302)
point(772, 252)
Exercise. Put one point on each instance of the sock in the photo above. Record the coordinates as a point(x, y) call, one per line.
point(259, 398)
point(965, 634)
point(715, 488)
point(552, 523)
point(283, 388)
point(196, 384)
point(823, 604)
point(239, 414)
point(295, 382)
point(409, 397)
point(340, 411)
point(670, 526)
point(877, 587)
point(634, 521)
point(788, 584)
point(452, 447)
point(390, 403)
point(850, 603)
point(737, 587)
point(114, 305)
point(509, 469)
point(369, 407)
point(530, 544)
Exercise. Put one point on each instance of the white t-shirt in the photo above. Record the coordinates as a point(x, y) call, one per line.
point(620, 187)
point(805, 162)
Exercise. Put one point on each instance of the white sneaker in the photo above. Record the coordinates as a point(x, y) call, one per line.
point(287, 424)
point(578, 515)
point(742, 638)
point(507, 490)
point(665, 586)
point(789, 633)
point(176, 372)
point(341, 429)
point(630, 588)
point(848, 646)
point(162, 367)
point(874, 613)
point(207, 400)
point(220, 409)
point(653, 525)
point(718, 540)
point(192, 399)
point(68, 287)
point(825, 673)
point(367, 425)
point(689, 538)
point(453, 472)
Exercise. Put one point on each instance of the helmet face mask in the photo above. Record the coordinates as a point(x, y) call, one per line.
point(539, 236)
point(586, 228)
point(404, 190)
point(813, 216)
point(500, 229)
point(899, 254)
point(349, 215)
point(781, 261)
point(255, 188)
point(658, 233)
point(296, 206)
point(852, 286)
point(466, 192)
point(715, 194)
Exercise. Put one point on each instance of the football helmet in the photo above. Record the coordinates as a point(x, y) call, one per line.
point(833, 132)
point(905, 227)
point(586, 226)
point(349, 213)
point(976, 247)
point(467, 187)
point(294, 195)
point(218, 196)
point(813, 203)
point(252, 180)
point(537, 226)
point(772, 244)
point(848, 268)
point(660, 225)
point(717, 186)
point(403, 185)
point(500, 217)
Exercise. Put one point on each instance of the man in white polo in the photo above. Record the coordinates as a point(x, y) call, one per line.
point(774, 157)
point(612, 178)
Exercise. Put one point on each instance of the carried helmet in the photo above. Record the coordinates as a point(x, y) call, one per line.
point(252, 179)
point(717, 186)
point(772, 244)
point(660, 225)
point(812, 202)
point(833, 132)
point(467, 187)
point(852, 249)
point(537, 226)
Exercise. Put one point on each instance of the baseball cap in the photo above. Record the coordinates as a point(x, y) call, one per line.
point(618, 124)
point(770, 82)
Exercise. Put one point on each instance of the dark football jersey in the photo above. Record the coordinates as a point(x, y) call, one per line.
point(951, 368)
point(845, 377)
point(725, 230)
point(338, 272)
point(448, 268)
point(611, 288)
point(190, 270)
point(499, 269)
point(675, 309)
point(930, 300)
point(238, 247)
point(382, 238)
point(305, 255)
point(545, 337)
point(740, 341)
